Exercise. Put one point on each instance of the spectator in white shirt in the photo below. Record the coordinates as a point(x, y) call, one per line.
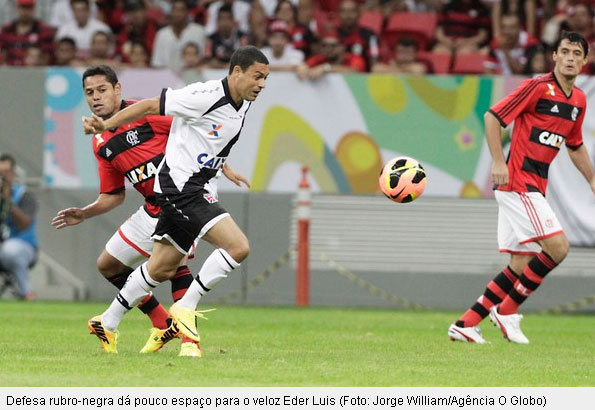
point(82, 29)
point(61, 13)
point(167, 50)
point(281, 54)
point(241, 14)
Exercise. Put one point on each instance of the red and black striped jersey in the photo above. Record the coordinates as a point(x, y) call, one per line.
point(544, 117)
point(15, 44)
point(132, 151)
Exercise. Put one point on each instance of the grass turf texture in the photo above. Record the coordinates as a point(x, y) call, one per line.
point(47, 344)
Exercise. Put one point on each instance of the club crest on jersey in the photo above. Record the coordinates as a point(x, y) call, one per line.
point(210, 198)
point(216, 127)
point(142, 173)
point(209, 161)
point(132, 137)
point(551, 90)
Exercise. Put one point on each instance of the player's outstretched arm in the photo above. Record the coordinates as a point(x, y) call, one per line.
point(494, 139)
point(234, 177)
point(94, 124)
point(74, 216)
point(580, 159)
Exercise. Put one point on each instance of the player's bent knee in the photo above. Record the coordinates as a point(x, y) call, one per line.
point(557, 247)
point(240, 250)
point(109, 266)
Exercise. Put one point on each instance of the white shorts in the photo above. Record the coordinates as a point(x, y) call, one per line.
point(523, 219)
point(132, 243)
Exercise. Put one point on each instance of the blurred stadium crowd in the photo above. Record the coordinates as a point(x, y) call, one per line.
point(310, 37)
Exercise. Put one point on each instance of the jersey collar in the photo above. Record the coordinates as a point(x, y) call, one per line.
point(560, 87)
point(228, 95)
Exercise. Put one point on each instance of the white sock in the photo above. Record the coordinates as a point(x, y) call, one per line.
point(216, 267)
point(138, 285)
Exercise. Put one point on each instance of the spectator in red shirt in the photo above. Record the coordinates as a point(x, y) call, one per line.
point(17, 36)
point(301, 36)
point(508, 53)
point(463, 27)
point(332, 58)
point(357, 40)
point(139, 28)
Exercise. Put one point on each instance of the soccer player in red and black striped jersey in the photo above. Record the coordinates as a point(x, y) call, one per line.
point(547, 111)
point(132, 151)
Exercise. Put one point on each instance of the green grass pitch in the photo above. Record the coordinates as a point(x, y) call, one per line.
point(47, 344)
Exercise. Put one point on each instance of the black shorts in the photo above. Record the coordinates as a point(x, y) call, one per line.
point(186, 217)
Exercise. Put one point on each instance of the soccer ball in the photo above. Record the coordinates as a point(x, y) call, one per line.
point(402, 179)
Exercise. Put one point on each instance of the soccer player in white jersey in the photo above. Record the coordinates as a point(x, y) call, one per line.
point(132, 151)
point(208, 118)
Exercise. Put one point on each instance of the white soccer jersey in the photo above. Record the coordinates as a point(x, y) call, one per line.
point(207, 123)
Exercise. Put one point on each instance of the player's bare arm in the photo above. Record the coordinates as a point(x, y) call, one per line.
point(235, 177)
point(580, 159)
point(74, 216)
point(494, 139)
point(95, 124)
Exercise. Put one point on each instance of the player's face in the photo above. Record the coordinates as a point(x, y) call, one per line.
point(251, 82)
point(103, 98)
point(569, 58)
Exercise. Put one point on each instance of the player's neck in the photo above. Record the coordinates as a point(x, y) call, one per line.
point(565, 82)
point(235, 96)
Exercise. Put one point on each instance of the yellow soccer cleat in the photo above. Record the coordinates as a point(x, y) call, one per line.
point(108, 339)
point(187, 320)
point(159, 337)
point(190, 349)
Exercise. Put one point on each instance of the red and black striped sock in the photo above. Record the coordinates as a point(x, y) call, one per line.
point(180, 282)
point(533, 274)
point(179, 285)
point(150, 306)
point(496, 290)
point(156, 312)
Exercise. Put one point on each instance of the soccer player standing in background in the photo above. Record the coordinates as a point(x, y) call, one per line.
point(547, 111)
point(208, 119)
point(132, 151)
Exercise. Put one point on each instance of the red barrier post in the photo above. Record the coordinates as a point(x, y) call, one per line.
point(302, 285)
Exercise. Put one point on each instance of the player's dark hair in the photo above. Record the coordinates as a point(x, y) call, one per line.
point(573, 37)
point(246, 56)
point(107, 71)
point(8, 157)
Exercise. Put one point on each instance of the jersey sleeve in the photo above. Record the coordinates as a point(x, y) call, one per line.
point(187, 103)
point(514, 104)
point(111, 181)
point(160, 124)
point(575, 139)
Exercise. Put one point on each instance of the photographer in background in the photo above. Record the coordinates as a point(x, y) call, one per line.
point(18, 240)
